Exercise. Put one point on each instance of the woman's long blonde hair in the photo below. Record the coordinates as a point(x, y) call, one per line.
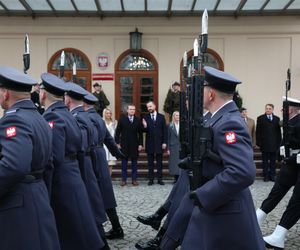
point(104, 117)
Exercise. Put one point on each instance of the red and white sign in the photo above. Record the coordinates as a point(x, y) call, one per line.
point(103, 77)
point(11, 132)
point(102, 60)
point(230, 138)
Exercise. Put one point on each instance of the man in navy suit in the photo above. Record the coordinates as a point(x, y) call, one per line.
point(156, 141)
point(268, 137)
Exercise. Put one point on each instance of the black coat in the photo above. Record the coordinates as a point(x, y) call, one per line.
point(156, 134)
point(129, 135)
point(268, 133)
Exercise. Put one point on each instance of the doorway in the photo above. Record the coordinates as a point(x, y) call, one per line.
point(136, 81)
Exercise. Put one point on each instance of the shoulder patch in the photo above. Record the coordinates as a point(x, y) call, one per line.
point(230, 137)
point(11, 132)
point(51, 124)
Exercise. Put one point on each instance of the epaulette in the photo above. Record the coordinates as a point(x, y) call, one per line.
point(11, 111)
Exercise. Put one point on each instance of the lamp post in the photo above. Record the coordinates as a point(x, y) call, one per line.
point(135, 40)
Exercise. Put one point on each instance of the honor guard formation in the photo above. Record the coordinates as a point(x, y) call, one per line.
point(56, 190)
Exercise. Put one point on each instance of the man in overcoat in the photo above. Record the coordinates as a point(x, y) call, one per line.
point(223, 205)
point(77, 231)
point(26, 218)
point(129, 137)
point(268, 138)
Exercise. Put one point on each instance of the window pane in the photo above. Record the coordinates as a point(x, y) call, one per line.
point(157, 5)
point(62, 5)
point(229, 5)
point(134, 5)
point(201, 5)
point(133, 62)
point(38, 4)
point(182, 5)
point(13, 4)
point(110, 5)
point(86, 5)
point(70, 58)
point(295, 5)
point(276, 5)
point(253, 5)
point(146, 84)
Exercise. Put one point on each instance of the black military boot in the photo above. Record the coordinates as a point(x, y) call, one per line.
point(116, 232)
point(153, 220)
point(152, 244)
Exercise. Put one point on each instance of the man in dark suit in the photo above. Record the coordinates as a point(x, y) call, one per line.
point(156, 141)
point(35, 98)
point(268, 137)
point(129, 138)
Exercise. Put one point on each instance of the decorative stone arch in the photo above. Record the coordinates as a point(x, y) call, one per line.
point(83, 65)
point(133, 85)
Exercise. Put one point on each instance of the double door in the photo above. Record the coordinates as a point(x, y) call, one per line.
point(137, 89)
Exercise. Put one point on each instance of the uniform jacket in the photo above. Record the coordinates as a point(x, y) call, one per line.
point(102, 103)
point(77, 231)
point(26, 218)
point(129, 135)
point(104, 179)
point(288, 175)
point(227, 205)
point(268, 133)
point(174, 148)
point(156, 134)
point(89, 174)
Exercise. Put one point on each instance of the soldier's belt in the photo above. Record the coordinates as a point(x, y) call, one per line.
point(33, 176)
point(71, 157)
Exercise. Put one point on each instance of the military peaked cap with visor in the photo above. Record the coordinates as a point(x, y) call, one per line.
point(75, 91)
point(15, 80)
point(220, 80)
point(53, 84)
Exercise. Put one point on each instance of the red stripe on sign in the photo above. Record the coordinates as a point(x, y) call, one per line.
point(103, 77)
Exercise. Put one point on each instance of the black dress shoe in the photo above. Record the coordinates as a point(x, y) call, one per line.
point(272, 179)
point(275, 248)
point(266, 179)
point(150, 183)
point(152, 220)
point(115, 234)
point(160, 182)
point(152, 244)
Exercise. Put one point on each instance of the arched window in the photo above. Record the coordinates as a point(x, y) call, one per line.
point(211, 58)
point(83, 66)
point(136, 81)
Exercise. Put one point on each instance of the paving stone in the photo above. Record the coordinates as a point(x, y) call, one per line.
point(144, 200)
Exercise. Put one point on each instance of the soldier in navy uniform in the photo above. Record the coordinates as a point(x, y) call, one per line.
point(75, 222)
point(74, 101)
point(223, 205)
point(103, 176)
point(26, 218)
point(288, 177)
point(171, 231)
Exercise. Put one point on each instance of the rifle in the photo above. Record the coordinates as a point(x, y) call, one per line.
point(26, 55)
point(285, 123)
point(74, 77)
point(200, 136)
point(183, 123)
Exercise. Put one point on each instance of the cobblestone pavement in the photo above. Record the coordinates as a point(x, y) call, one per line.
point(144, 200)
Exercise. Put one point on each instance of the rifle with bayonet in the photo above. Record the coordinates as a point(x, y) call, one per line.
point(26, 55)
point(285, 122)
